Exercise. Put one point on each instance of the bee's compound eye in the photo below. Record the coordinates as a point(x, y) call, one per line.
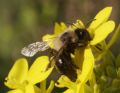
point(80, 33)
point(83, 35)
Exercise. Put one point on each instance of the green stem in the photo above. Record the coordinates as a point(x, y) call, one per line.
point(96, 89)
point(51, 86)
point(114, 38)
point(43, 86)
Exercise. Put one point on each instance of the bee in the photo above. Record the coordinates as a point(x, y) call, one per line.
point(65, 45)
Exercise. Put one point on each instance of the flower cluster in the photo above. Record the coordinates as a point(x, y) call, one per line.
point(99, 29)
point(22, 80)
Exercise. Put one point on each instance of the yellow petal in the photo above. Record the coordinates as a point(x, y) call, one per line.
point(102, 32)
point(29, 89)
point(63, 26)
point(17, 74)
point(57, 31)
point(78, 24)
point(49, 39)
point(79, 57)
point(44, 75)
point(88, 65)
point(65, 82)
point(37, 69)
point(80, 88)
point(69, 91)
point(100, 18)
point(59, 28)
point(16, 91)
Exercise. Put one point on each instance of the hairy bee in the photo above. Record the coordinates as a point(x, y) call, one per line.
point(65, 44)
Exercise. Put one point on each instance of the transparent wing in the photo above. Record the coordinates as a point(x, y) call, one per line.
point(33, 48)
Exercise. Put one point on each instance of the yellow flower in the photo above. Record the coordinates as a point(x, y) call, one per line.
point(99, 29)
point(22, 80)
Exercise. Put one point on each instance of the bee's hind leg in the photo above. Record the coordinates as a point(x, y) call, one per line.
point(52, 55)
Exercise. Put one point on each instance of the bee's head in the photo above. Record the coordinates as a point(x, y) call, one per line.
point(83, 35)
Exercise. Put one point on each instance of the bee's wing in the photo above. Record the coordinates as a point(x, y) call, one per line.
point(33, 48)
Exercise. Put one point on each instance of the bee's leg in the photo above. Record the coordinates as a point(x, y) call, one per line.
point(52, 52)
point(52, 55)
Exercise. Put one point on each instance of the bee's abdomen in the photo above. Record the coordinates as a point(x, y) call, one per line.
point(65, 65)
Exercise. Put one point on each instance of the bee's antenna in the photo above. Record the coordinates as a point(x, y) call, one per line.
point(89, 22)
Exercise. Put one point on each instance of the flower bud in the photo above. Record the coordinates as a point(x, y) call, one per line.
point(111, 71)
point(117, 63)
point(116, 83)
point(118, 72)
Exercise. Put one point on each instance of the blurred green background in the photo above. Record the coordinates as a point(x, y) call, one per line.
point(25, 21)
